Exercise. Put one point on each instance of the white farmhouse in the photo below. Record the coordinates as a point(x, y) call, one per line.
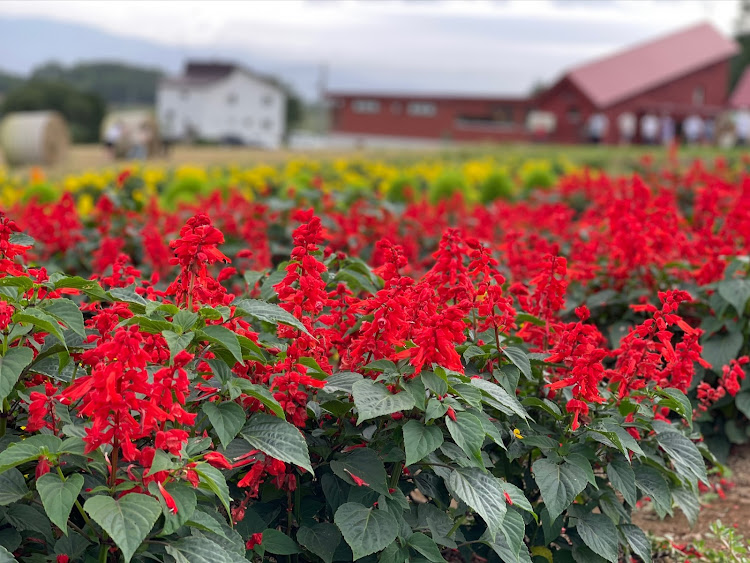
point(222, 102)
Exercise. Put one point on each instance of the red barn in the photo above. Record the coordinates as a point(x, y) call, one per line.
point(429, 117)
point(681, 74)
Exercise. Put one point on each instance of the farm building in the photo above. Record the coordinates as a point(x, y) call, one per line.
point(671, 78)
point(222, 102)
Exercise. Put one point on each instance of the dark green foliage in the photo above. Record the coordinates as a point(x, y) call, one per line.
point(83, 111)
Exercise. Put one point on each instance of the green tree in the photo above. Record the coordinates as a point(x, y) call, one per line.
point(84, 111)
point(117, 83)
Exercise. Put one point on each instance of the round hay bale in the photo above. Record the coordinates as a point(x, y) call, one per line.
point(135, 126)
point(34, 137)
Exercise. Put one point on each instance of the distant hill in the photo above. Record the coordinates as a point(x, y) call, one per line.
point(118, 84)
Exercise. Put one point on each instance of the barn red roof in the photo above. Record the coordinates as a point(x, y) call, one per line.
point(633, 71)
point(741, 94)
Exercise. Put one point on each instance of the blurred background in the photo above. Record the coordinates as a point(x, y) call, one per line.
point(139, 80)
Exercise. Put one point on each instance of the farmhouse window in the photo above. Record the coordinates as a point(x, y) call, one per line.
point(421, 109)
point(267, 100)
point(266, 124)
point(366, 106)
point(232, 99)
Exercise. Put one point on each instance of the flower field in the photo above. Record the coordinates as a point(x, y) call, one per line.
point(367, 361)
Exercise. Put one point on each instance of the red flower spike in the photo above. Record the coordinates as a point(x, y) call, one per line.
point(357, 480)
point(171, 504)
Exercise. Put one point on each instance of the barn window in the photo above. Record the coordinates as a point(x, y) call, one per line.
point(699, 95)
point(231, 98)
point(421, 109)
point(502, 114)
point(573, 115)
point(366, 106)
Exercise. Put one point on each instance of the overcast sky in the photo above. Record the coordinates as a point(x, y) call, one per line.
point(482, 47)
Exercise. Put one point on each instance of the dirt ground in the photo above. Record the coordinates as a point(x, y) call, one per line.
point(734, 510)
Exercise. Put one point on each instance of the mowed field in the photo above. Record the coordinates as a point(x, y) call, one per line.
point(615, 159)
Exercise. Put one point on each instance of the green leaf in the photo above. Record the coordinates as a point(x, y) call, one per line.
point(176, 342)
point(374, 399)
point(127, 520)
point(544, 404)
point(268, 313)
point(227, 419)
point(320, 539)
point(12, 487)
point(28, 450)
point(185, 320)
point(365, 464)
point(519, 358)
point(622, 477)
point(468, 433)
point(67, 312)
point(58, 496)
point(185, 499)
point(435, 409)
point(26, 517)
point(41, 320)
point(216, 483)
point(517, 496)
point(742, 402)
point(278, 543)
point(342, 381)
point(688, 461)
point(736, 292)
point(653, 484)
point(503, 401)
point(199, 549)
point(128, 295)
point(678, 402)
point(277, 438)
point(21, 282)
point(513, 529)
point(482, 492)
point(258, 392)
point(599, 533)
point(366, 530)
point(89, 287)
point(6, 556)
point(434, 383)
point(420, 440)
point(11, 366)
point(638, 541)
point(559, 484)
point(426, 546)
point(582, 462)
point(720, 349)
point(687, 500)
point(224, 337)
point(500, 546)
